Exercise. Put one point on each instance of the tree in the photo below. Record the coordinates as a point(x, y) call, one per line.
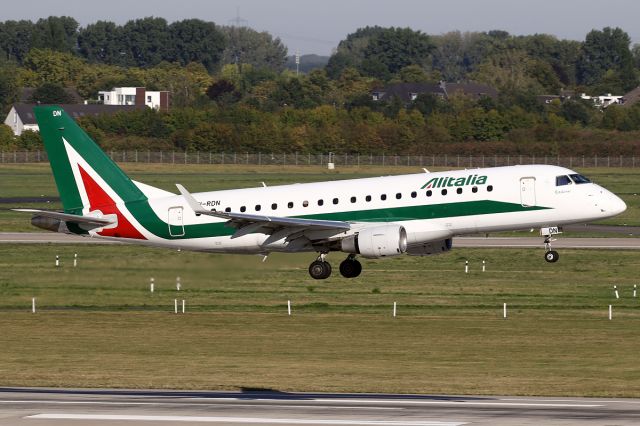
point(8, 84)
point(43, 65)
point(102, 42)
point(50, 93)
point(58, 33)
point(194, 40)
point(146, 42)
point(603, 52)
point(259, 49)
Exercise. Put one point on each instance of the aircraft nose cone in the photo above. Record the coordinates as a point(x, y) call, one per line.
point(617, 205)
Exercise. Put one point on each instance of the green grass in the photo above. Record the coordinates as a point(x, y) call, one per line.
point(35, 180)
point(449, 337)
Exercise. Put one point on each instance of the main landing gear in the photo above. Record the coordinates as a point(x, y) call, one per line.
point(320, 269)
point(550, 256)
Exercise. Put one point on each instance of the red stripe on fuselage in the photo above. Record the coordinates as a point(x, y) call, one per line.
point(100, 200)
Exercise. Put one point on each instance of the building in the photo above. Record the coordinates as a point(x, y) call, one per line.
point(604, 100)
point(135, 96)
point(21, 117)
point(408, 92)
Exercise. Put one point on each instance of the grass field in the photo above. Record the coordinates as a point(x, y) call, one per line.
point(98, 324)
point(35, 180)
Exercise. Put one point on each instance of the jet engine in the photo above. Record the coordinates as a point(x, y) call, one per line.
point(377, 241)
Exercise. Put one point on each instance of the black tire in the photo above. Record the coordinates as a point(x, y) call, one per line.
point(320, 270)
point(350, 268)
point(551, 256)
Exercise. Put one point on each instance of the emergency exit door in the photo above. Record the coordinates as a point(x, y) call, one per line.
point(176, 225)
point(528, 191)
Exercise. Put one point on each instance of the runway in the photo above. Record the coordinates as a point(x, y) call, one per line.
point(496, 242)
point(53, 407)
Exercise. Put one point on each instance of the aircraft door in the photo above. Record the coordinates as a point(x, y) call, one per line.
point(176, 225)
point(528, 191)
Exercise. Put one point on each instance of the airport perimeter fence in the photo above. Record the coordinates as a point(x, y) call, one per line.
point(462, 161)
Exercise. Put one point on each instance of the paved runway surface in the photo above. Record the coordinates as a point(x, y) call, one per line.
point(53, 407)
point(595, 243)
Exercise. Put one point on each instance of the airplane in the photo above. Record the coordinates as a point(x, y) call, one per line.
point(417, 214)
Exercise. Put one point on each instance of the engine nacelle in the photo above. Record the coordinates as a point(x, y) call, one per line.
point(48, 223)
point(430, 248)
point(377, 241)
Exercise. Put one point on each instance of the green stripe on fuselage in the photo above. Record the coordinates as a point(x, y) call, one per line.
point(148, 218)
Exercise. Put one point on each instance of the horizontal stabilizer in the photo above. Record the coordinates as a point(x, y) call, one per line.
point(66, 217)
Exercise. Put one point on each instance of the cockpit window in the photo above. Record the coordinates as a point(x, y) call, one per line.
point(579, 179)
point(563, 180)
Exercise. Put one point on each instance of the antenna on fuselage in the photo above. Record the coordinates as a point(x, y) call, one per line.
point(425, 170)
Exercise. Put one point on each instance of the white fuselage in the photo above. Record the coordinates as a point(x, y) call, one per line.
point(455, 203)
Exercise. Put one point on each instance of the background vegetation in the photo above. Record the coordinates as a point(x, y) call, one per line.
point(231, 91)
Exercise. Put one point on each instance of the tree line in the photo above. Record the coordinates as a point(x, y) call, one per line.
point(230, 91)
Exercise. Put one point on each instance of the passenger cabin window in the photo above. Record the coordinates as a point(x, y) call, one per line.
point(320, 202)
point(414, 194)
point(459, 190)
point(228, 210)
point(489, 188)
point(443, 192)
point(563, 180)
point(290, 205)
point(335, 201)
point(274, 206)
point(305, 203)
point(258, 207)
point(398, 196)
point(367, 198)
point(353, 199)
point(243, 209)
point(474, 189)
point(383, 197)
point(579, 179)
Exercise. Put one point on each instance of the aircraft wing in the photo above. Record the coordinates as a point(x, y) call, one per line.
point(251, 223)
point(66, 217)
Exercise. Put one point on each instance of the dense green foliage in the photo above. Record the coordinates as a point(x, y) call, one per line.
point(230, 90)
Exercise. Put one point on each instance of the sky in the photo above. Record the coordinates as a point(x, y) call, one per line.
point(317, 26)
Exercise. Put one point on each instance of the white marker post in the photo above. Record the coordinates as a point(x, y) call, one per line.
point(289, 307)
point(484, 266)
point(466, 266)
point(504, 310)
point(178, 285)
point(33, 305)
point(394, 309)
point(75, 260)
point(183, 306)
point(635, 289)
point(151, 285)
point(610, 312)
point(175, 306)
point(57, 261)
point(615, 289)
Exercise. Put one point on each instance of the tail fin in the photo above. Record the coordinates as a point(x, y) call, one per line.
point(86, 177)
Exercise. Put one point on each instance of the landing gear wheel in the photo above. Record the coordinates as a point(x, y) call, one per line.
point(551, 256)
point(350, 268)
point(320, 270)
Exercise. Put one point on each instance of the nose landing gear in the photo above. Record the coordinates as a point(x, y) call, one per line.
point(550, 256)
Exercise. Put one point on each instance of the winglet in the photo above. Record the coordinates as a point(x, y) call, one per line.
point(195, 206)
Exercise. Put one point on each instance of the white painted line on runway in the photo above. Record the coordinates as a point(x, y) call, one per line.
point(249, 420)
point(595, 401)
point(464, 403)
point(193, 404)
